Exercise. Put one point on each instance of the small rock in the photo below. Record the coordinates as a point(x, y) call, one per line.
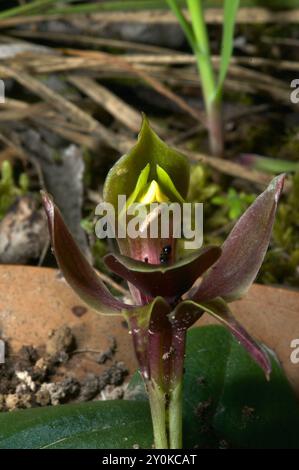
point(11, 401)
point(55, 391)
point(24, 377)
point(113, 376)
point(61, 339)
point(40, 370)
point(89, 388)
point(23, 232)
point(58, 392)
point(71, 387)
point(43, 397)
point(27, 356)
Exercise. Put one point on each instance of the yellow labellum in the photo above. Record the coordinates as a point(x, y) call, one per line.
point(152, 194)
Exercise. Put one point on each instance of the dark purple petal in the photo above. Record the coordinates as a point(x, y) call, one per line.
point(74, 266)
point(244, 249)
point(220, 310)
point(165, 280)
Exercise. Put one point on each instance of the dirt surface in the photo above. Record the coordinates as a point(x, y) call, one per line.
point(72, 353)
point(57, 351)
point(40, 376)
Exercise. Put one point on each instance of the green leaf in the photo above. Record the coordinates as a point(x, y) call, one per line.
point(230, 14)
point(268, 165)
point(94, 425)
point(227, 401)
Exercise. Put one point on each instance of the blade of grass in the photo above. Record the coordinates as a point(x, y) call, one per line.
point(173, 5)
point(202, 50)
point(268, 165)
point(207, 76)
point(229, 20)
point(27, 8)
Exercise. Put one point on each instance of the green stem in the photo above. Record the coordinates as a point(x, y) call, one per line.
point(175, 412)
point(212, 99)
point(175, 402)
point(157, 400)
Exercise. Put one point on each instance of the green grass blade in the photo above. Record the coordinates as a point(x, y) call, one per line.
point(186, 27)
point(56, 6)
point(202, 51)
point(269, 165)
point(199, 26)
point(27, 8)
point(229, 19)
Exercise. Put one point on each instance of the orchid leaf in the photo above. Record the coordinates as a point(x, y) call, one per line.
point(77, 271)
point(123, 176)
point(220, 310)
point(244, 249)
point(168, 281)
point(117, 424)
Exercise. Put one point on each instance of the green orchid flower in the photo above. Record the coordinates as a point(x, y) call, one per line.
point(169, 294)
